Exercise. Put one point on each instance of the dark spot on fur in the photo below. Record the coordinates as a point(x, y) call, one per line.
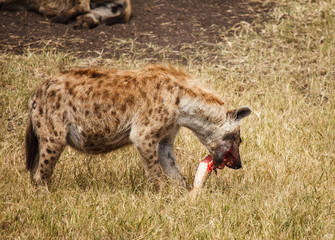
point(46, 161)
point(56, 133)
point(96, 94)
point(49, 151)
point(115, 97)
point(52, 139)
point(105, 95)
point(41, 111)
point(38, 124)
point(96, 108)
point(89, 90)
point(143, 94)
point(64, 115)
point(177, 101)
point(100, 81)
point(57, 105)
point(52, 93)
point(98, 75)
point(87, 112)
point(52, 125)
point(43, 155)
point(74, 109)
point(107, 130)
point(81, 72)
point(130, 100)
point(123, 108)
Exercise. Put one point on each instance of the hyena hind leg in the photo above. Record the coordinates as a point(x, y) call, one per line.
point(48, 157)
point(51, 147)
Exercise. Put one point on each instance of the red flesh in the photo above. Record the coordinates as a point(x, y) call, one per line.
point(227, 160)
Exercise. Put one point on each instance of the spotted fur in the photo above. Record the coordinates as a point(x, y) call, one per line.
point(97, 111)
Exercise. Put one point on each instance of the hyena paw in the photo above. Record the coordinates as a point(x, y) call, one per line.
point(85, 21)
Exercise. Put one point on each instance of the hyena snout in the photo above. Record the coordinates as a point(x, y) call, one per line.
point(229, 156)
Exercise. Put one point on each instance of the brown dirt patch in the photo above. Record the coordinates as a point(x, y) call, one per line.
point(156, 25)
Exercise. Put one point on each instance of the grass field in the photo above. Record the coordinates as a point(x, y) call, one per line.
point(284, 69)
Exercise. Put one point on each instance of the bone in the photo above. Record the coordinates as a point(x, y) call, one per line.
point(203, 172)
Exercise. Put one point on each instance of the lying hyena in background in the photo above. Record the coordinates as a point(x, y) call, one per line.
point(90, 13)
point(109, 13)
point(97, 111)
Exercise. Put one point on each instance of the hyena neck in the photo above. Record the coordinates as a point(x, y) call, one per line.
point(202, 117)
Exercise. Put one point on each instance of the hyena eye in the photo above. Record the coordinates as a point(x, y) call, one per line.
point(228, 137)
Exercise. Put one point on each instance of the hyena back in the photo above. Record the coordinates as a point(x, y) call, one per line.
point(97, 111)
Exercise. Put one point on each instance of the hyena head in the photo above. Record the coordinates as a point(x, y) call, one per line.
point(226, 140)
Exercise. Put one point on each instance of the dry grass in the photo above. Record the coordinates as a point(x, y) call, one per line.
point(283, 69)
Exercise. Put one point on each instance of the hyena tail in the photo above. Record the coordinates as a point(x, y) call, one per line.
point(32, 146)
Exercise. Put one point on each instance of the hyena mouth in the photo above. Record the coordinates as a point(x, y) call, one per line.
point(228, 160)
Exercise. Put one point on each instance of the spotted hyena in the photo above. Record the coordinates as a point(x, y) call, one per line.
point(89, 13)
point(97, 111)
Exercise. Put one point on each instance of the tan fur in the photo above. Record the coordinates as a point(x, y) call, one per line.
point(108, 11)
point(97, 111)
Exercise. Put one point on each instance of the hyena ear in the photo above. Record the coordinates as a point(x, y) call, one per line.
point(239, 113)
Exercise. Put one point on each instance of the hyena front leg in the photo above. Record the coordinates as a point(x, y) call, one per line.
point(147, 145)
point(149, 153)
point(167, 158)
point(86, 21)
